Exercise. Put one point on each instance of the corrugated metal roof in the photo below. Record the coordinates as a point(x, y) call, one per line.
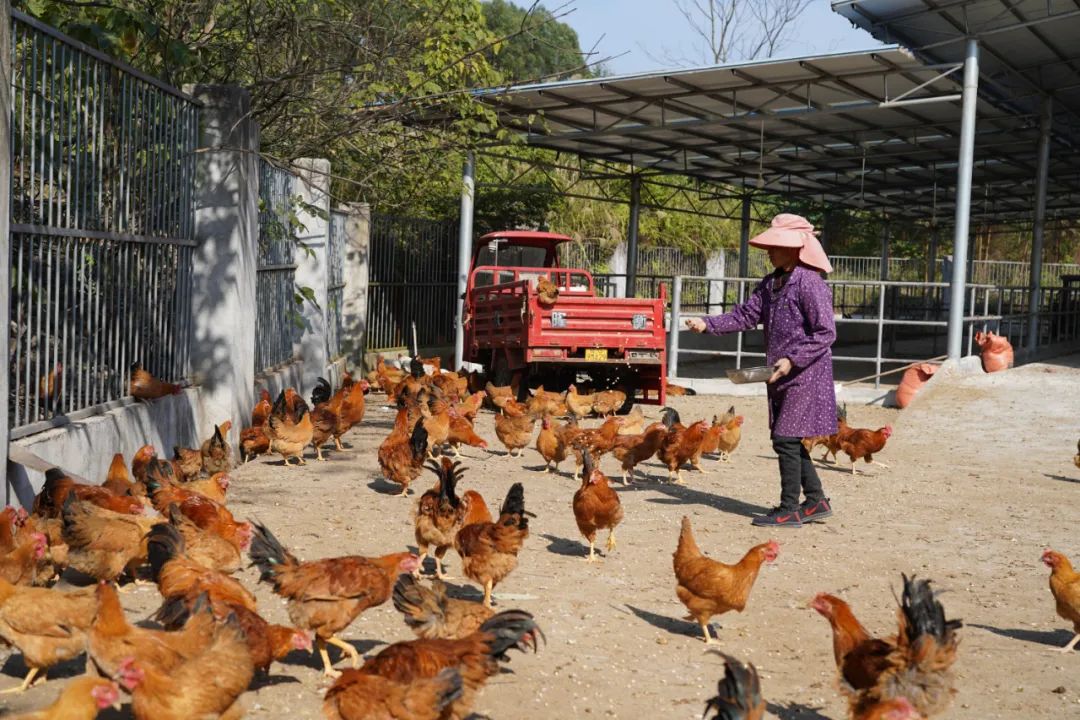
point(875, 129)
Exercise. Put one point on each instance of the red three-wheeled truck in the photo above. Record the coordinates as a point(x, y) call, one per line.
point(523, 340)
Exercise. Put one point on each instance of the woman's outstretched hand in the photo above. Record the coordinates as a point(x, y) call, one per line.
point(780, 368)
point(696, 324)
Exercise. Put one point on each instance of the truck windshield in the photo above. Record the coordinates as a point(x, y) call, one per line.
point(512, 256)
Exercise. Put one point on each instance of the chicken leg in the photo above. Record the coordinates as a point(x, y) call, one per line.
point(1072, 644)
point(592, 552)
point(611, 540)
point(318, 453)
point(488, 586)
point(26, 683)
point(337, 444)
point(346, 648)
point(328, 668)
point(708, 638)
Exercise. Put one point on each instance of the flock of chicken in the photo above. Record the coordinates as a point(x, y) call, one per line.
point(168, 520)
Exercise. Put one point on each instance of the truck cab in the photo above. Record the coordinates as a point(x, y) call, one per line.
point(509, 329)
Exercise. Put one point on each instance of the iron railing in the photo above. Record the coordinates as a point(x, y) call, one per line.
point(102, 227)
point(918, 318)
point(275, 292)
point(412, 278)
point(335, 283)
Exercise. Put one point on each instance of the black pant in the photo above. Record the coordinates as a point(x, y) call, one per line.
point(797, 473)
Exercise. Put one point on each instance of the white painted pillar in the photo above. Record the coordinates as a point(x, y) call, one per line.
point(715, 270)
point(744, 238)
point(357, 266)
point(226, 259)
point(618, 269)
point(313, 236)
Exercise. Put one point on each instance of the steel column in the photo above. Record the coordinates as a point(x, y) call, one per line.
point(744, 238)
point(965, 165)
point(465, 231)
point(1046, 121)
point(632, 236)
point(884, 269)
point(676, 326)
point(931, 259)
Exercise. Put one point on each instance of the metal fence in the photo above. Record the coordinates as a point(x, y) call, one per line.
point(900, 315)
point(412, 278)
point(102, 227)
point(276, 312)
point(335, 283)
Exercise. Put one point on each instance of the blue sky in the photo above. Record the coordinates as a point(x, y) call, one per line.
point(641, 34)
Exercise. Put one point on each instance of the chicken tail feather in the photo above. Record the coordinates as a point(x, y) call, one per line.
point(163, 543)
point(421, 606)
point(268, 553)
point(511, 629)
point(738, 693)
point(924, 616)
point(449, 687)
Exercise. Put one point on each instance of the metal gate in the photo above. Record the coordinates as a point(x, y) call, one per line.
point(413, 278)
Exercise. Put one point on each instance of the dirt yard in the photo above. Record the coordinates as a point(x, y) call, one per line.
point(981, 481)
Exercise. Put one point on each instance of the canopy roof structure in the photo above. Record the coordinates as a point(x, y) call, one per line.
point(973, 115)
point(878, 129)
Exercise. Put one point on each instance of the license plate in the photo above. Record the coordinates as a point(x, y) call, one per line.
point(594, 354)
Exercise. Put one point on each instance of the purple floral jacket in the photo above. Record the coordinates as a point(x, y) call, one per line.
point(799, 325)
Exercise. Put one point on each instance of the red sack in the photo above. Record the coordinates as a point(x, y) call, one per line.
point(997, 351)
point(914, 378)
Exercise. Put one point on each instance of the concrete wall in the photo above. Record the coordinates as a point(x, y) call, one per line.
point(357, 256)
point(226, 260)
point(86, 447)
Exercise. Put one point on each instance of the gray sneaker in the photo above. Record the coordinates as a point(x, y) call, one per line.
point(813, 511)
point(778, 517)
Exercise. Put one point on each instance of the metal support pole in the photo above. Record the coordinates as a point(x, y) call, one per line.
point(632, 236)
point(744, 238)
point(676, 326)
point(880, 333)
point(931, 260)
point(965, 165)
point(465, 231)
point(1046, 120)
point(885, 249)
point(5, 243)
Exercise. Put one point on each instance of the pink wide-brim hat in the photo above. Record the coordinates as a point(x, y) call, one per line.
point(795, 231)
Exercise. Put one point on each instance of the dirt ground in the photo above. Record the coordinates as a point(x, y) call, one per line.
point(981, 481)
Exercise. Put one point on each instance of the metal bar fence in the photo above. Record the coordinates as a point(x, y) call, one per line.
point(102, 229)
point(335, 283)
point(412, 278)
point(891, 320)
point(276, 313)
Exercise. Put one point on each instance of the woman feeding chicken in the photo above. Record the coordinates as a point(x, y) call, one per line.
point(795, 307)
